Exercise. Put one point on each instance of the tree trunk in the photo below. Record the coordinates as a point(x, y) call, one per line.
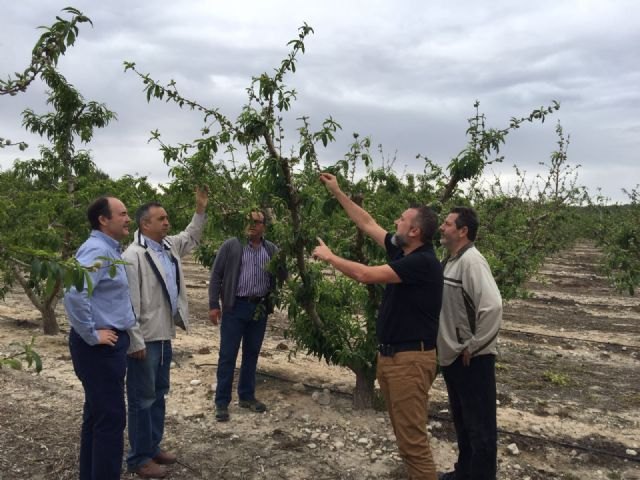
point(363, 394)
point(46, 306)
point(49, 319)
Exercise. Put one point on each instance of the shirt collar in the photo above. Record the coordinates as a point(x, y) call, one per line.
point(248, 242)
point(112, 242)
point(458, 254)
point(153, 244)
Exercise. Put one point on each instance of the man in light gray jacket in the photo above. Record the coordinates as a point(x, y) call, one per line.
point(158, 296)
point(469, 322)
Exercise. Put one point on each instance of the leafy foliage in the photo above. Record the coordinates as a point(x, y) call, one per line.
point(42, 219)
point(330, 316)
point(28, 354)
point(618, 233)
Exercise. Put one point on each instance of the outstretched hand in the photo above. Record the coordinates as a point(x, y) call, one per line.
point(330, 181)
point(322, 252)
point(202, 198)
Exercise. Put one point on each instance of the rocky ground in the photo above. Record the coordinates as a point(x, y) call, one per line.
point(568, 376)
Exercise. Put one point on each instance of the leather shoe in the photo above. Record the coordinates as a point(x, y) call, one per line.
point(165, 458)
point(151, 470)
point(253, 405)
point(447, 475)
point(222, 413)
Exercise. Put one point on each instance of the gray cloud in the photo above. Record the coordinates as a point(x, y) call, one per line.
point(405, 73)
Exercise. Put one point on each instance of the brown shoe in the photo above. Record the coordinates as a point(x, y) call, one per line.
point(151, 470)
point(165, 458)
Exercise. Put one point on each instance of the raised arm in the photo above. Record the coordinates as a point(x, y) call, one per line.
point(359, 215)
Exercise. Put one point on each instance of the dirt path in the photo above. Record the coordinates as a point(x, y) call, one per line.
point(568, 374)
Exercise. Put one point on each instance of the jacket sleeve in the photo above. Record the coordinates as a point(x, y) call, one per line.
point(480, 285)
point(217, 274)
point(134, 278)
point(189, 239)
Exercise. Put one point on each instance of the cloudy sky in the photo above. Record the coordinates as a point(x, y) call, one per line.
point(405, 73)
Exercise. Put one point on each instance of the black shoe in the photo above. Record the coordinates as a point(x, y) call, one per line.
point(253, 405)
point(222, 413)
point(447, 475)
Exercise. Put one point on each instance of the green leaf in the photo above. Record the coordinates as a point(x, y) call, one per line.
point(35, 268)
point(44, 271)
point(88, 282)
point(12, 362)
point(78, 281)
point(37, 360)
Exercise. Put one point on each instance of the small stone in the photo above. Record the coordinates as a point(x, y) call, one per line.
point(312, 446)
point(324, 436)
point(373, 457)
point(338, 444)
point(282, 346)
point(513, 449)
point(322, 398)
point(173, 365)
point(363, 441)
point(298, 387)
point(189, 390)
point(630, 451)
point(195, 383)
point(194, 416)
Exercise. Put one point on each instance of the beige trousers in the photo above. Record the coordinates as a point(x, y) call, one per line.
point(405, 380)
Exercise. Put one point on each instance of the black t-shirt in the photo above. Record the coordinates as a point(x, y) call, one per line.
point(410, 310)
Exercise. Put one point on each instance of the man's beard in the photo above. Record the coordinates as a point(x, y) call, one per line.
point(399, 240)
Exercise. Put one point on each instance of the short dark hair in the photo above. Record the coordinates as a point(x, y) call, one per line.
point(261, 212)
point(427, 221)
point(98, 208)
point(143, 210)
point(467, 217)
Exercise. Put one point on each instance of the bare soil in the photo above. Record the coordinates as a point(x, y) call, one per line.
point(568, 376)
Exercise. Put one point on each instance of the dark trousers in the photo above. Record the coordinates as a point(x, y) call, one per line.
point(101, 369)
point(243, 324)
point(472, 399)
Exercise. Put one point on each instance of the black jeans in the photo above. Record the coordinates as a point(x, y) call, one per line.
point(472, 399)
point(101, 369)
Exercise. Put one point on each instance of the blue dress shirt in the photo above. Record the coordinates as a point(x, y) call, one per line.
point(169, 271)
point(109, 306)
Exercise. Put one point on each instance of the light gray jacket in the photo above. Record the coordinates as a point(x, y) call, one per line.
point(471, 307)
point(148, 285)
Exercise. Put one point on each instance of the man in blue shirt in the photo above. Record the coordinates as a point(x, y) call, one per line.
point(239, 301)
point(98, 340)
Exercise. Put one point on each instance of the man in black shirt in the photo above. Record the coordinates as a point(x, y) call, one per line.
point(407, 325)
